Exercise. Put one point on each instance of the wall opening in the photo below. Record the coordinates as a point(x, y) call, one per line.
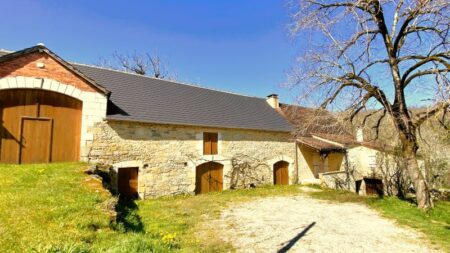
point(127, 182)
point(374, 186)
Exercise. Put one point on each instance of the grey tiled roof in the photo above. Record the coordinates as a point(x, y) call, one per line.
point(145, 99)
point(140, 98)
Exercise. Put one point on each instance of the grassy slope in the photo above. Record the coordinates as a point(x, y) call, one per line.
point(47, 205)
point(54, 207)
point(435, 224)
point(49, 208)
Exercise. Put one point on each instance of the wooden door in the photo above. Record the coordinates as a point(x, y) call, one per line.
point(215, 177)
point(64, 111)
point(128, 182)
point(202, 179)
point(35, 140)
point(281, 173)
point(374, 186)
point(209, 177)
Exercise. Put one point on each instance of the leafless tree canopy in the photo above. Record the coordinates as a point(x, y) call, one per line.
point(309, 121)
point(384, 55)
point(141, 64)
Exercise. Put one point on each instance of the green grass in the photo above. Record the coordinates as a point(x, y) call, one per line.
point(435, 223)
point(56, 208)
point(47, 207)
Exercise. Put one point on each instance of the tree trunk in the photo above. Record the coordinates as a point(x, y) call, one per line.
point(420, 184)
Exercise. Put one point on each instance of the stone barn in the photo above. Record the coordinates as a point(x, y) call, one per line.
point(160, 137)
point(163, 137)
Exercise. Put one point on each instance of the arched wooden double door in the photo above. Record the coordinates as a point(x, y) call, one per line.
point(281, 173)
point(209, 177)
point(39, 126)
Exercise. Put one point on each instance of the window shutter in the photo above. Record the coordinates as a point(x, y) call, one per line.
point(210, 143)
point(206, 143)
point(214, 138)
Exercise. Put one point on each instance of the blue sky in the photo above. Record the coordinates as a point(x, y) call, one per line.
point(233, 45)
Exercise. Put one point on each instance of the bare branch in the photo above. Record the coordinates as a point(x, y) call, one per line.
point(422, 116)
point(353, 62)
point(423, 73)
point(141, 64)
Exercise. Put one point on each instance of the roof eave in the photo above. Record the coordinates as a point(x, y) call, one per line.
point(318, 149)
point(111, 118)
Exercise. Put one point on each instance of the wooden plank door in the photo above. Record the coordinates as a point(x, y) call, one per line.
point(35, 140)
point(215, 177)
point(202, 179)
point(128, 182)
point(64, 111)
point(208, 178)
point(281, 173)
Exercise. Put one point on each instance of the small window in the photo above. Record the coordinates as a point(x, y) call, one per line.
point(210, 143)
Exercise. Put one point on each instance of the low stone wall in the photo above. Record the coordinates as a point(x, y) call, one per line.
point(168, 155)
point(339, 180)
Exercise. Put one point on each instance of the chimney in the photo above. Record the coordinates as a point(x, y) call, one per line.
point(359, 134)
point(273, 101)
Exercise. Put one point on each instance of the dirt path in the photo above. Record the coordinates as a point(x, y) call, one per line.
point(301, 224)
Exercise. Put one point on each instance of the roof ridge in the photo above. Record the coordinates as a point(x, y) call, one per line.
point(165, 80)
point(154, 78)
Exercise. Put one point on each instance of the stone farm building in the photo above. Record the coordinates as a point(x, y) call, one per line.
point(163, 137)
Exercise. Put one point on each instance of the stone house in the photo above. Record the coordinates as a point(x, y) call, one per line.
point(331, 156)
point(160, 137)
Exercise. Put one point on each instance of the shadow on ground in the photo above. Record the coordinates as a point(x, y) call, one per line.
point(128, 219)
point(294, 240)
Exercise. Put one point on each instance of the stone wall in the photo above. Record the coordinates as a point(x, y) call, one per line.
point(362, 159)
point(338, 180)
point(168, 155)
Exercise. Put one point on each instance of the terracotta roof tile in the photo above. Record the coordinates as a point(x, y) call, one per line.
point(319, 145)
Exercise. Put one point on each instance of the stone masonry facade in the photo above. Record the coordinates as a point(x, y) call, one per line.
point(167, 155)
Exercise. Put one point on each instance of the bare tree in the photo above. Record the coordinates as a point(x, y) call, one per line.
point(377, 54)
point(141, 64)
